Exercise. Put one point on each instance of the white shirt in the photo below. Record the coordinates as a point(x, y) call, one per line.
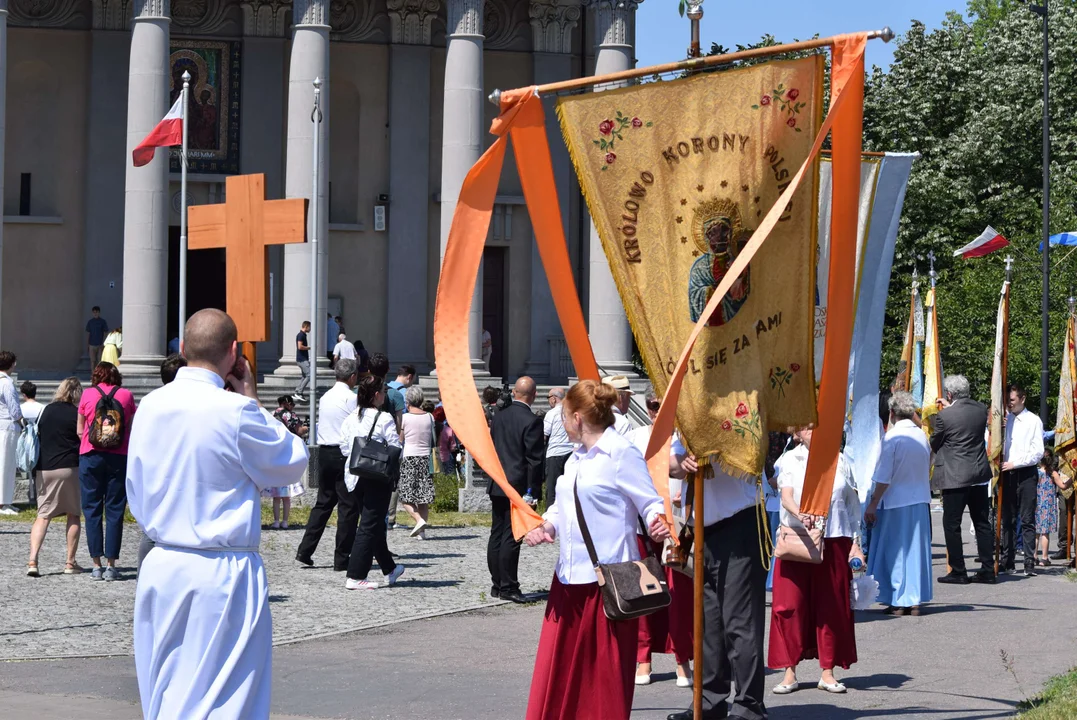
point(553, 427)
point(359, 423)
point(336, 405)
point(615, 490)
point(621, 424)
point(10, 410)
point(1023, 444)
point(344, 349)
point(198, 459)
point(843, 517)
point(31, 411)
point(640, 437)
point(905, 465)
point(724, 495)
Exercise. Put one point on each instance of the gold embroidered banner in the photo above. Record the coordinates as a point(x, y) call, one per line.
point(677, 176)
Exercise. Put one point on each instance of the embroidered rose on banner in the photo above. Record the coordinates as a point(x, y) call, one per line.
point(780, 378)
point(742, 410)
point(746, 422)
point(785, 100)
point(727, 426)
point(612, 132)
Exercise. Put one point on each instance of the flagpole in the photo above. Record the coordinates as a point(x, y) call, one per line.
point(315, 319)
point(183, 209)
point(1005, 400)
point(1072, 329)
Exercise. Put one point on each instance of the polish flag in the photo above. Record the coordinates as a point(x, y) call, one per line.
point(987, 243)
point(167, 132)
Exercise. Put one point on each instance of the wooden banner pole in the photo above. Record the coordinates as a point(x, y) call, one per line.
point(697, 604)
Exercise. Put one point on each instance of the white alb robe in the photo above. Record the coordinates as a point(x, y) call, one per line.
point(199, 457)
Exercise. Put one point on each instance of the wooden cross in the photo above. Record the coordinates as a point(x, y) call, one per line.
point(245, 226)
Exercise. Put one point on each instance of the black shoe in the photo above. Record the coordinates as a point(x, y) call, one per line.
point(495, 593)
point(954, 579)
point(515, 597)
point(308, 561)
point(1008, 570)
point(689, 715)
point(340, 568)
point(1029, 571)
point(984, 578)
point(1059, 555)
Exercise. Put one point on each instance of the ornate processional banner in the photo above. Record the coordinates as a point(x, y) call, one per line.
point(677, 176)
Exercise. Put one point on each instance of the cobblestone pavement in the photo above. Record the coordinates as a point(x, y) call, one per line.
point(59, 615)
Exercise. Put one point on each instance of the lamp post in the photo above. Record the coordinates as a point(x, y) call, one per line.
point(1045, 300)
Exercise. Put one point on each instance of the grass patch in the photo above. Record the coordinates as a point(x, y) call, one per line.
point(1058, 701)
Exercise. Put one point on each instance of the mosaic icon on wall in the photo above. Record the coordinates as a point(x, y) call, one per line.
point(212, 104)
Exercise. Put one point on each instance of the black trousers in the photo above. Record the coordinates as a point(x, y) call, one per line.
point(954, 503)
point(734, 607)
point(1019, 500)
point(1064, 509)
point(503, 552)
point(332, 492)
point(555, 468)
point(370, 540)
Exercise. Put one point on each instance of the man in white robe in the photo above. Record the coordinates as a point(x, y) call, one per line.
point(199, 457)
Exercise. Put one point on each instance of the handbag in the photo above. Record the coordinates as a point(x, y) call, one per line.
point(374, 460)
point(800, 544)
point(629, 589)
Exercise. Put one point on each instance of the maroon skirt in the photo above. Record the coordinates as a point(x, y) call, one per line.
point(668, 631)
point(585, 665)
point(811, 614)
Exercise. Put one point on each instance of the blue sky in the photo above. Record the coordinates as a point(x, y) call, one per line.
point(662, 35)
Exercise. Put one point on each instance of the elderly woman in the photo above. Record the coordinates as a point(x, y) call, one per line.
point(811, 612)
point(372, 496)
point(416, 483)
point(58, 482)
point(585, 662)
point(900, 513)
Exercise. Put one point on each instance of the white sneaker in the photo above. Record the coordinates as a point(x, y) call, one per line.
point(8, 510)
point(360, 585)
point(419, 528)
point(684, 682)
point(392, 577)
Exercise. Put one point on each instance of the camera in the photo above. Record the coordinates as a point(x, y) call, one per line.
point(504, 398)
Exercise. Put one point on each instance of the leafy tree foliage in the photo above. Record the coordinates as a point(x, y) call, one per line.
point(968, 96)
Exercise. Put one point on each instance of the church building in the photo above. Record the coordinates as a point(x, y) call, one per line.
point(403, 97)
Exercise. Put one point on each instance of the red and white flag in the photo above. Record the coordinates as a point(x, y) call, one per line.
point(167, 132)
point(988, 242)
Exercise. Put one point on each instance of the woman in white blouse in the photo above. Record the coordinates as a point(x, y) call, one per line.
point(585, 662)
point(900, 513)
point(372, 496)
point(811, 613)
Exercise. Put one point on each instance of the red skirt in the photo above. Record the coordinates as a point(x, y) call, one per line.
point(584, 668)
point(668, 631)
point(810, 613)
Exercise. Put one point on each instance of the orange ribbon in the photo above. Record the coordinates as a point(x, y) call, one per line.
point(522, 118)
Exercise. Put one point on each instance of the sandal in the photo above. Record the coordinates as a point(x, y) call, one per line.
point(31, 570)
point(73, 569)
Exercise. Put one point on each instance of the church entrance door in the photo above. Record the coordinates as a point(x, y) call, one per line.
point(493, 306)
point(205, 280)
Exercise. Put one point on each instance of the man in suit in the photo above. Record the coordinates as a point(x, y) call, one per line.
point(963, 473)
point(517, 434)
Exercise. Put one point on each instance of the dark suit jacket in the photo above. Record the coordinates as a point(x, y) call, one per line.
point(518, 439)
point(958, 442)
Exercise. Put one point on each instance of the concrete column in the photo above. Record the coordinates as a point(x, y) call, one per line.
point(309, 60)
point(462, 133)
point(145, 231)
point(408, 335)
point(551, 25)
point(102, 267)
point(608, 326)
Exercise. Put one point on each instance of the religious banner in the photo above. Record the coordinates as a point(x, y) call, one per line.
point(932, 364)
point(869, 175)
point(998, 382)
point(677, 176)
point(212, 104)
point(919, 336)
point(1065, 435)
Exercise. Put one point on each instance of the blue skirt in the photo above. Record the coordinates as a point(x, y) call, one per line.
point(900, 557)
